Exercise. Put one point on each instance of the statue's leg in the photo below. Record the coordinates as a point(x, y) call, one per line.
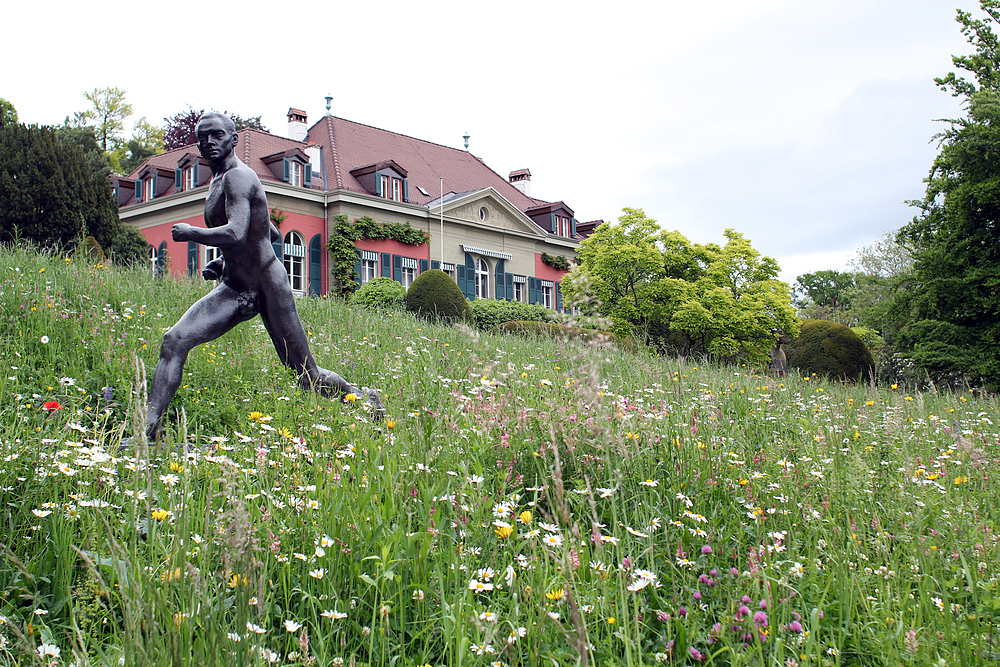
point(281, 319)
point(208, 318)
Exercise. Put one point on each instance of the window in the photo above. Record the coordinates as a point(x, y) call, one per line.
point(565, 227)
point(391, 188)
point(482, 279)
point(519, 292)
point(369, 270)
point(189, 180)
point(547, 295)
point(295, 174)
point(562, 227)
point(407, 274)
point(148, 190)
point(295, 252)
point(211, 253)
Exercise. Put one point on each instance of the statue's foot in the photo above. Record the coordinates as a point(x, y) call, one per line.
point(374, 403)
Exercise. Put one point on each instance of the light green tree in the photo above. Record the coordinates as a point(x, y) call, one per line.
point(107, 114)
point(682, 297)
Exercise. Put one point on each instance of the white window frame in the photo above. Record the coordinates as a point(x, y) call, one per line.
point(407, 275)
point(565, 226)
point(369, 270)
point(210, 253)
point(295, 173)
point(546, 292)
point(295, 262)
point(147, 189)
point(519, 292)
point(189, 182)
point(397, 190)
point(482, 279)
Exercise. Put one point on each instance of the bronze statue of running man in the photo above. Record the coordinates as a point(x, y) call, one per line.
point(253, 280)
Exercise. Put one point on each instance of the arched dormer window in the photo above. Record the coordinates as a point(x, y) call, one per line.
point(295, 253)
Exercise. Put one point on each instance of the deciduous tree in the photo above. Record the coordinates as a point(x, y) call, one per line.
point(682, 297)
point(179, 128)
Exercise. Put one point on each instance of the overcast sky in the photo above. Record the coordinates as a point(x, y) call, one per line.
point(803, 124)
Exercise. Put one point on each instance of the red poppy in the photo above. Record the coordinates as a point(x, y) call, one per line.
point(51, 405)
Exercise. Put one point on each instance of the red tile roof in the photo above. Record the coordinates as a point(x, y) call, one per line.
point(347, 145)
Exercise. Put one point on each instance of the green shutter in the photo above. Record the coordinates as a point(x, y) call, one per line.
point(178, 179)
point(192, 258)
point(572, 226)
point(435, 264)
point(460, 278)
point(533, 290)
point(279, 249)
point(559, 306)
point(510, 286)
point(553, 225)
point(406, 190)
point(194, 174)
point(386, 265)
point(397, 269)
point(285, 169)
point(500, 286)
point(307, 179)
point(358, 268)
point(161, 259)
point(424, 265)
point(315, 266)
point(138, 191)
point(378, 184)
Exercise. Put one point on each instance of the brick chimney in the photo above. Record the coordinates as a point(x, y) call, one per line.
point(521, 179)
point(297, 124)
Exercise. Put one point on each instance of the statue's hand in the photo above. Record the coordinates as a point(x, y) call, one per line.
point(213, 270)
point(181, 231)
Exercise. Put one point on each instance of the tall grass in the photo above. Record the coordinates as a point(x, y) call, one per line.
point(527, 502)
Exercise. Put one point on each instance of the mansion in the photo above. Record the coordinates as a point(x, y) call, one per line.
point(486, 231)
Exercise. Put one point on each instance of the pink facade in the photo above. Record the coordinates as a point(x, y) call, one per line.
point(392, 247)
point(546, 272)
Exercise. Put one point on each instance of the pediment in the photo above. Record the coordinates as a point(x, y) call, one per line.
point(488, 208)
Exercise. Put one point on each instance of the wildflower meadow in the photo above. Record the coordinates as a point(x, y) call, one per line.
point(525, 502)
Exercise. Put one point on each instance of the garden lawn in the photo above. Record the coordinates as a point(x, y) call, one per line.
point(526, 502)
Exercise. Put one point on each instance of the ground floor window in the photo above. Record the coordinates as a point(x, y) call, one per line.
point(295, 253)
point(407, 276)
point(482, 279)
point(369, 270)
point(518, 291)
point(547, 295)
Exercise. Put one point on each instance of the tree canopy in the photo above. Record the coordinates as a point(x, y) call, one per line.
point(50, 195)
point(682, 297)
point(953, 332)
point(179, 128)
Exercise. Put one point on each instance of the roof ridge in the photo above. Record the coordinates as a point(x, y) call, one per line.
point(333, 153)
point(400, 134)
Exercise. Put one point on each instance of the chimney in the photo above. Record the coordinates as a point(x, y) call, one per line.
point(297, 124)
point(521, 179)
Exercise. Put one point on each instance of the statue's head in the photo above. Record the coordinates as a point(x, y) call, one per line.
point(216, 134)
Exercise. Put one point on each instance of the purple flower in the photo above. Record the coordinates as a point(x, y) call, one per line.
point(682, 611)
point(710, 582)
point(713, 572)
point(706, 549)
point(745, 599)
point(696, 654)
point(763, 604)
point(795, 626)
point(703, 578)
point(760, 618)
point(742, 611)
point(733, 571)
point(697, 595)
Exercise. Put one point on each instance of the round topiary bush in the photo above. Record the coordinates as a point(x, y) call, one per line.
point(831, 350)
point(380, 294)
point(435, 296)
point(488, 313)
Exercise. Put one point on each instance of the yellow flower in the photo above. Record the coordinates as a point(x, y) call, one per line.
point(256, 416)
point(237, 579)
point(525, 517)
point(611, 620)
point(504, 530)
point(894, 386)
point(160, 515)
point(869, 402)
point(176, 467)
point(961, 479)
point(350, 398)
point(556, 594)
point(390, 423)
point(908, 398)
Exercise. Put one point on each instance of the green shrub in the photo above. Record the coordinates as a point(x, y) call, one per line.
point(553, 330)
point(488, 313)
point(831, 350)
point(435, 296)
point(380, 294)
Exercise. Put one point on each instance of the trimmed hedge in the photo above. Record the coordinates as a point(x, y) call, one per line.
point(553, 330)
point(488, 313)
point(380, 294)
point(435, 296)
point(831, 350)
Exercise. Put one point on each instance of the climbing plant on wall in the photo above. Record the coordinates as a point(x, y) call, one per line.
point(557, 262)
point(341, 246)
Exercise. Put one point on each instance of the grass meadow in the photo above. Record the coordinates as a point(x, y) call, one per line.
point(527, 501)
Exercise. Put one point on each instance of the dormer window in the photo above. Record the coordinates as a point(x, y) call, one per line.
point(190, 178)
point(291, 166)
point(384, 179)
point(148, 189)
point(191, 172)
